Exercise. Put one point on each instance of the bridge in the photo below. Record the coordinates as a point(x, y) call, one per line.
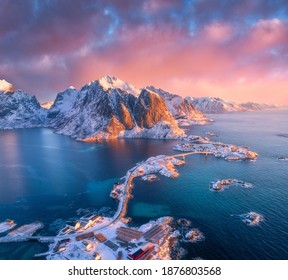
point(120, 213)
point(192, 153)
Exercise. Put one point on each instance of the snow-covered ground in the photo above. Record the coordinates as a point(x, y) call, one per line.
point(229, 152)
point(91, 248)
point(220, 185)
point(164, 165)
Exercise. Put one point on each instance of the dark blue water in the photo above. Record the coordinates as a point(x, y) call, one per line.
point(48, 177)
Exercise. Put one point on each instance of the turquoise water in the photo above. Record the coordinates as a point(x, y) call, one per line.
point(48, 177)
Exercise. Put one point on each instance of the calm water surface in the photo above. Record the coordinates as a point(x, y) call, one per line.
point(49, 177)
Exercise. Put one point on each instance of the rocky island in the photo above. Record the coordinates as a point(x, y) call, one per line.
point(220, 185)
point(251, 218)
point(229, 152)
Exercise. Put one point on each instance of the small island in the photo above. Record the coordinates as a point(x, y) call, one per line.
point(220, 185)
point(251, 218)
point(204, 145)
point(194, 235)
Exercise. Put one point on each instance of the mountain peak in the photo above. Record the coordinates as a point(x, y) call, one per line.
point(110, 82)
point(5, 86)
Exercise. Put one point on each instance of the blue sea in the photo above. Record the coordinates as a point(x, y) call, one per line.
point(51, 178)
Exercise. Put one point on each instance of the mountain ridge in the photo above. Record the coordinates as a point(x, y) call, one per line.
point(109, 108)
point(216, 105)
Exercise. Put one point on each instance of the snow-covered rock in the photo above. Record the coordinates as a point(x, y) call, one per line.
point(182, 110)
point(5, 86)
point(62, 106)
point(212, 105)
point(20, 110)
point(110, 108)
point(108, 82)
point(215, 105)
point(230, 152)
point(47, 105)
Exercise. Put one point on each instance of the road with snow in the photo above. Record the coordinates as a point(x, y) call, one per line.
point(120, 213)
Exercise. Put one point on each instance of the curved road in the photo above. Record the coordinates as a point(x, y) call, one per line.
point(121, 211)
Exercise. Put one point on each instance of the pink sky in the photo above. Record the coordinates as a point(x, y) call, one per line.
point(213, 62)
point(236, 51)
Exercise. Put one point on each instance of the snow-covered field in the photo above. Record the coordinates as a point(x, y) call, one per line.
point(229, 152)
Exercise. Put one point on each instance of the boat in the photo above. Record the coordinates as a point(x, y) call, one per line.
point(7, 225)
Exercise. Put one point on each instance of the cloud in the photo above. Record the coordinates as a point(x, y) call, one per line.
point(218, 31)
point(189, 47)
point(152, 6)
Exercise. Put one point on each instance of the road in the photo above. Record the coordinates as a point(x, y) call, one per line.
point(120, 213)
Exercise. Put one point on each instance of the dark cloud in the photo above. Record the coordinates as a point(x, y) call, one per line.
point(49, 44)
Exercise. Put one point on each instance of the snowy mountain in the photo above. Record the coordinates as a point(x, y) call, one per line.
point(252, 106)
point(182, 110)
point(110, 108)
point(61, 106)
point(47, 105)
point(5, 86)
point(20, 110)
point(108, 82)
point(214, 105)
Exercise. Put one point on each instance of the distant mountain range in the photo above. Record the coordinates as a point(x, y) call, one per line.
point(182, 110)
point(110, 108)
point(215, 105)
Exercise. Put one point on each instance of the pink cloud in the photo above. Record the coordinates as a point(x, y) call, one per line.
point(149, 43)
point(218, 31)
point(170, 59)
point(265, 34)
